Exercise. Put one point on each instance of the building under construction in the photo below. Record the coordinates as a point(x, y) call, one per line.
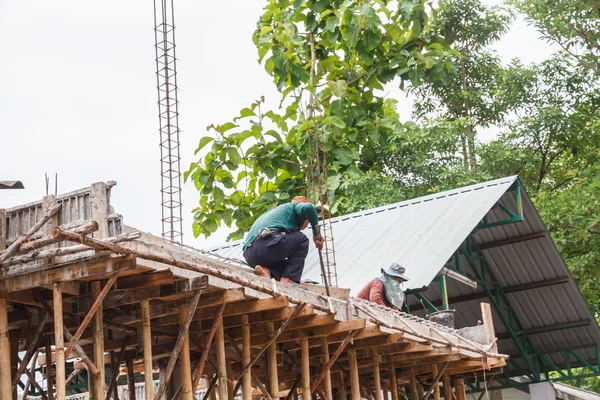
point(90, 305)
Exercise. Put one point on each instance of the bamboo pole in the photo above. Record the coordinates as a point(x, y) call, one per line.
point(59, 342)
point(436, 379)
point(31, 348)
point(5, 381)
point(393, 380)
point(343, 391)
point(333, 359)
point(459, 385)
point(272, 362)
point(256, 381)
point(230, 394)
point(304, 352)
point(147, 339)
point(221, 361)
point(436, 383)
point(184, 359)
point(200, 366)
point(247, 378)
point(376, 374)
point(354, 380)
point(447, 387)
point(325, 361)
point(116, 369)
point(420, 391)
point(130, 380)
point(414, 392)
point(73, 375)
point(97, 382)
point(386, 391)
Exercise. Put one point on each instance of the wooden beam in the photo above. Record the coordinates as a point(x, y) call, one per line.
point(447, 387)
point(376, 375)
point(147, 338)
point(97, 306)
point(459, 385)
point(437, 374)
point(272, 362)
point(325, 361)
point(247, 377)
point(34, 343)
point(354, 380)
point(100, 208)
point(183, 332)
point(326, 330)
point(184, 359)
point(145, 280)
point(511, 240)
point(488, 323)
point(12, 249)
point(255, 379)
point(306, 392)
point(49, 373)
point(67, 272)
point(414, 391)
point(97, 382)
point(5, 381)
point(59, 343)
point(76, 372)
point(221, 361)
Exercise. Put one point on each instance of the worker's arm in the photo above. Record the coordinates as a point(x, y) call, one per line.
point(377, 292)
point(307, 211)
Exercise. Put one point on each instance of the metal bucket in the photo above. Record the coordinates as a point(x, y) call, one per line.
point(444, 317)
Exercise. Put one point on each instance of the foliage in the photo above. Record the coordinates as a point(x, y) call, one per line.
point(574, 25)
point(339, 54)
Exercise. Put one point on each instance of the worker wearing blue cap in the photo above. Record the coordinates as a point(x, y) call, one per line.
point(386, 290)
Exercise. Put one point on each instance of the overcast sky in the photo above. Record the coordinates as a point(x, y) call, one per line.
point(78, 94)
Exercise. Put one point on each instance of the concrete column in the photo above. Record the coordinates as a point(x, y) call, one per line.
point(542, 391)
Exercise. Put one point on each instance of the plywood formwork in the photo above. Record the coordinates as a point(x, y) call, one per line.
point(90, 287)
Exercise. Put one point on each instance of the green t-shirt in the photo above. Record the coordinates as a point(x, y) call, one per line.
point(285, 218)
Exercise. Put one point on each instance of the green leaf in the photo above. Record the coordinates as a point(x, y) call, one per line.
point(311, 22)
point(319, 6)
point(338, 88)
point(203, 142)
point(246, 112)
point(186, 174)
point(211, 225)
point(225, 127)
point(237, 197)
point(234, 155)
point(337, 121)
point(197, 228)
point(350, 29)
point(344, 155)
point(218, 195)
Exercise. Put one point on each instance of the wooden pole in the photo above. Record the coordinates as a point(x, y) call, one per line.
point(376, 374)
point(420, 391)
point(116, 369)
point(488, 323)
point(354, 380)
point(147, 338)
point(325, 361)
point(49, 380)
point(459, 385)
point(414, 392)
point(199, 368)
point(73, 375)
point(97, 382)
point(393, 379)
point(230, 394)
point(436, 383)
point(436, 380)
point(304, 352)
point(59, 342)
point(447, 387)
point(221, 361)
point(130, 380)
point(247, 378)
point(31, 348)
point(386, 391)
point(5, 379)
point(184, 358)
point(272, 363)
point(333, 359)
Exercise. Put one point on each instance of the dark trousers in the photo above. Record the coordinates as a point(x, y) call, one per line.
point(283, 254)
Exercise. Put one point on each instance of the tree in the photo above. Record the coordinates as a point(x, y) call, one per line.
point(573, 25)
point(330, 60)
point(475, 93)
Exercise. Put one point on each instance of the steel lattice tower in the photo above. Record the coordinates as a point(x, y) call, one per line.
point(168, 117)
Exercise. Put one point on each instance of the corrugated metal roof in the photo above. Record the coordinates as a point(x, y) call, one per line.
point(423, 234)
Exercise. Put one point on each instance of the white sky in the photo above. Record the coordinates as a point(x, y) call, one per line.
point(78, 94)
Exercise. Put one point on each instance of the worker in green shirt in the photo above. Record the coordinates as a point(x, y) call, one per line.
point(275, 246)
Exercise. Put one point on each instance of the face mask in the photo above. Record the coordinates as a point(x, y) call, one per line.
point(393, 290)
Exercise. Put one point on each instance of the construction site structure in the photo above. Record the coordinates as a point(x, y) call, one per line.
point(91, 304)
point(168, 119)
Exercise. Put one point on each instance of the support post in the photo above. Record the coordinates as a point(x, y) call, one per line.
point(59, 342)
point(488, 323)
point(99, 204)
point(130, 380)
point(393, 379)
point(386, 389)
point(459, 386)
point(5, 379)
point(324, 362)
point(272, 363)
point(147, 338)
point(343, 391)
point(354, 381)
point(97, 382)
point(436, 384)
point(221, 361)
point(447, 387)
point(304, 352)
point(184, 358)
point(230, 393)
point(49, 379)
point(376, 374)
point(247, 378)
point(414, 392)
point(14, 359)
